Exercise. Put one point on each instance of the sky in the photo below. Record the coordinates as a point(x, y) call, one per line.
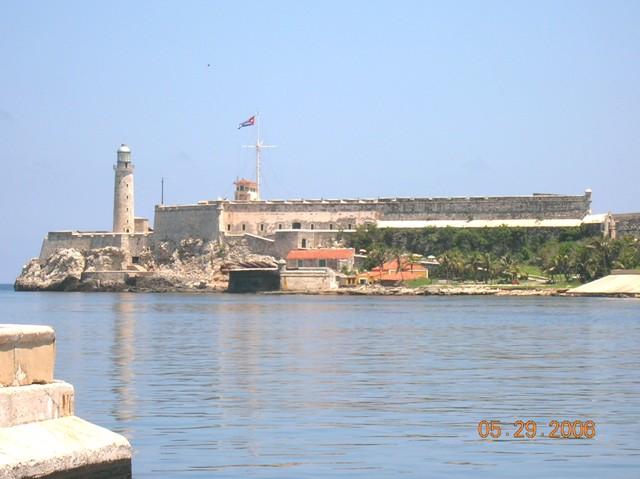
point(363, 99)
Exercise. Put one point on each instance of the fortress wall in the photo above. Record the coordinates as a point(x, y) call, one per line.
point(57, 240)
point(488, 208)
point(174, 223)
point(627, 224)
point(323, 213)
point(258, 244)
point(210, 220)
point(287, 240)
point(280, 244)
point(263, 220)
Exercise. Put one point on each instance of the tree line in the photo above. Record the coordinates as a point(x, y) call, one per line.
point(503, 253)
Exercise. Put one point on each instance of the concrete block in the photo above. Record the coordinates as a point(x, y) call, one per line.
point(27, 354)
point(62, 449)
point(34, 403)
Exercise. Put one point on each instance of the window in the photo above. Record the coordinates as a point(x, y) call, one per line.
point(262, 227)
point(349, 226)
point(297, 226)
point(303, 243)
point(331, 226)
point(244, 227)
point(300, 263)
point(312, 226)
point(322, 263)
point(280, 226)
point(228, 227)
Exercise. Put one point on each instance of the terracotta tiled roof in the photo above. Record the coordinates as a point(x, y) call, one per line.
point(330, 253)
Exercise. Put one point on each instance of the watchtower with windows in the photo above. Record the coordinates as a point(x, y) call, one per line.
point(246, 190)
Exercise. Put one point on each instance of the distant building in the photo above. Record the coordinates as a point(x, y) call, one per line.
point(246, 190)
point(337, 259)
point(390, 273)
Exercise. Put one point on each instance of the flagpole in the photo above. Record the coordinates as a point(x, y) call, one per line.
point(258, 146)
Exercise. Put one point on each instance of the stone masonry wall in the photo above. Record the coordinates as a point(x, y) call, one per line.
point(57, 240)
point(210, 220)
point(174, 223)
point(628, 224)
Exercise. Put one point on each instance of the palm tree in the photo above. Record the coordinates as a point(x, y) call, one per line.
point(398, 255)
point(447, 263)
point(509, 267)
point(412, 260)
point(380, 255)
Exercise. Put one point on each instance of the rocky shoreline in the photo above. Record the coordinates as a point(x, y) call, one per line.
point(194, 266)
point(191, 266)
point(440, 290)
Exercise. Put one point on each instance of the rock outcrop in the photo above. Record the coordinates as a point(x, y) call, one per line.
point(61, 272)
point(192, 265)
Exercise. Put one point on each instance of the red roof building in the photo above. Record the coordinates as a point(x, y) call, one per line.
point(334, 258)
point(391, 274)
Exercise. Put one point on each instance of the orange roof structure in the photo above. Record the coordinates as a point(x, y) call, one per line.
point(390, 266)
point(243, 182)
point(327, 253)
point(395, 276)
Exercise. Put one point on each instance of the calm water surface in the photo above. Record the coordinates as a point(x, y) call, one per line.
point(330, 387)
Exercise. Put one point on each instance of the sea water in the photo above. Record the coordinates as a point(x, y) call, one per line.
point(236, 386)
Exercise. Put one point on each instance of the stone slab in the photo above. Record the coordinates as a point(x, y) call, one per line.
point(63, 449)
point(36, 402)
point(614, 284)
point(27, 354)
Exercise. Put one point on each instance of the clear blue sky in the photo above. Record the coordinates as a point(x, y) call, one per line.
point(362, 98)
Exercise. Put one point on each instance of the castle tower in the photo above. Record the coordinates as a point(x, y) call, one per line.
point(246, 190)
point(123, 216)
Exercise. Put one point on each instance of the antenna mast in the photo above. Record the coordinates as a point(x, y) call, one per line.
point(258, 146)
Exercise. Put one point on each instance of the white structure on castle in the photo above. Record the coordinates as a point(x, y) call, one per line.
point(123, 215)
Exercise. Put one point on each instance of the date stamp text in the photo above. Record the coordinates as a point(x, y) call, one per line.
point(530, 429)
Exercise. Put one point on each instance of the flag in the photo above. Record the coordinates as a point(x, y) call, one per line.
point(249, 122)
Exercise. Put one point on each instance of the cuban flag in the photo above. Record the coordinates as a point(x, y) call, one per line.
point(249, 122)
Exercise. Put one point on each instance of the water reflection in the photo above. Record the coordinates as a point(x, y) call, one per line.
point(123, 353)
point(355, 387)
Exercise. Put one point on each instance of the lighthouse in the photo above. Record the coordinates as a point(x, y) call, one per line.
point(123, 216)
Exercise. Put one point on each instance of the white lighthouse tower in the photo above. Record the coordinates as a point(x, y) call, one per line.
point(123, 216)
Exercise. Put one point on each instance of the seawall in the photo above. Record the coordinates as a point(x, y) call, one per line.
point(40, 437)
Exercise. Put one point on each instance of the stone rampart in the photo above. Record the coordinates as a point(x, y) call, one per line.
point(416, 209)
point(84, 242)
point(627, 224)
point(201, 221)
point(213, 219)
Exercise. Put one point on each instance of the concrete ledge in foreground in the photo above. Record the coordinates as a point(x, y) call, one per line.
point(63, 448)
point(34, 403)
point(27, 354)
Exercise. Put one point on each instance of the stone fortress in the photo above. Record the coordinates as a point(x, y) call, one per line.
point(276, 227)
